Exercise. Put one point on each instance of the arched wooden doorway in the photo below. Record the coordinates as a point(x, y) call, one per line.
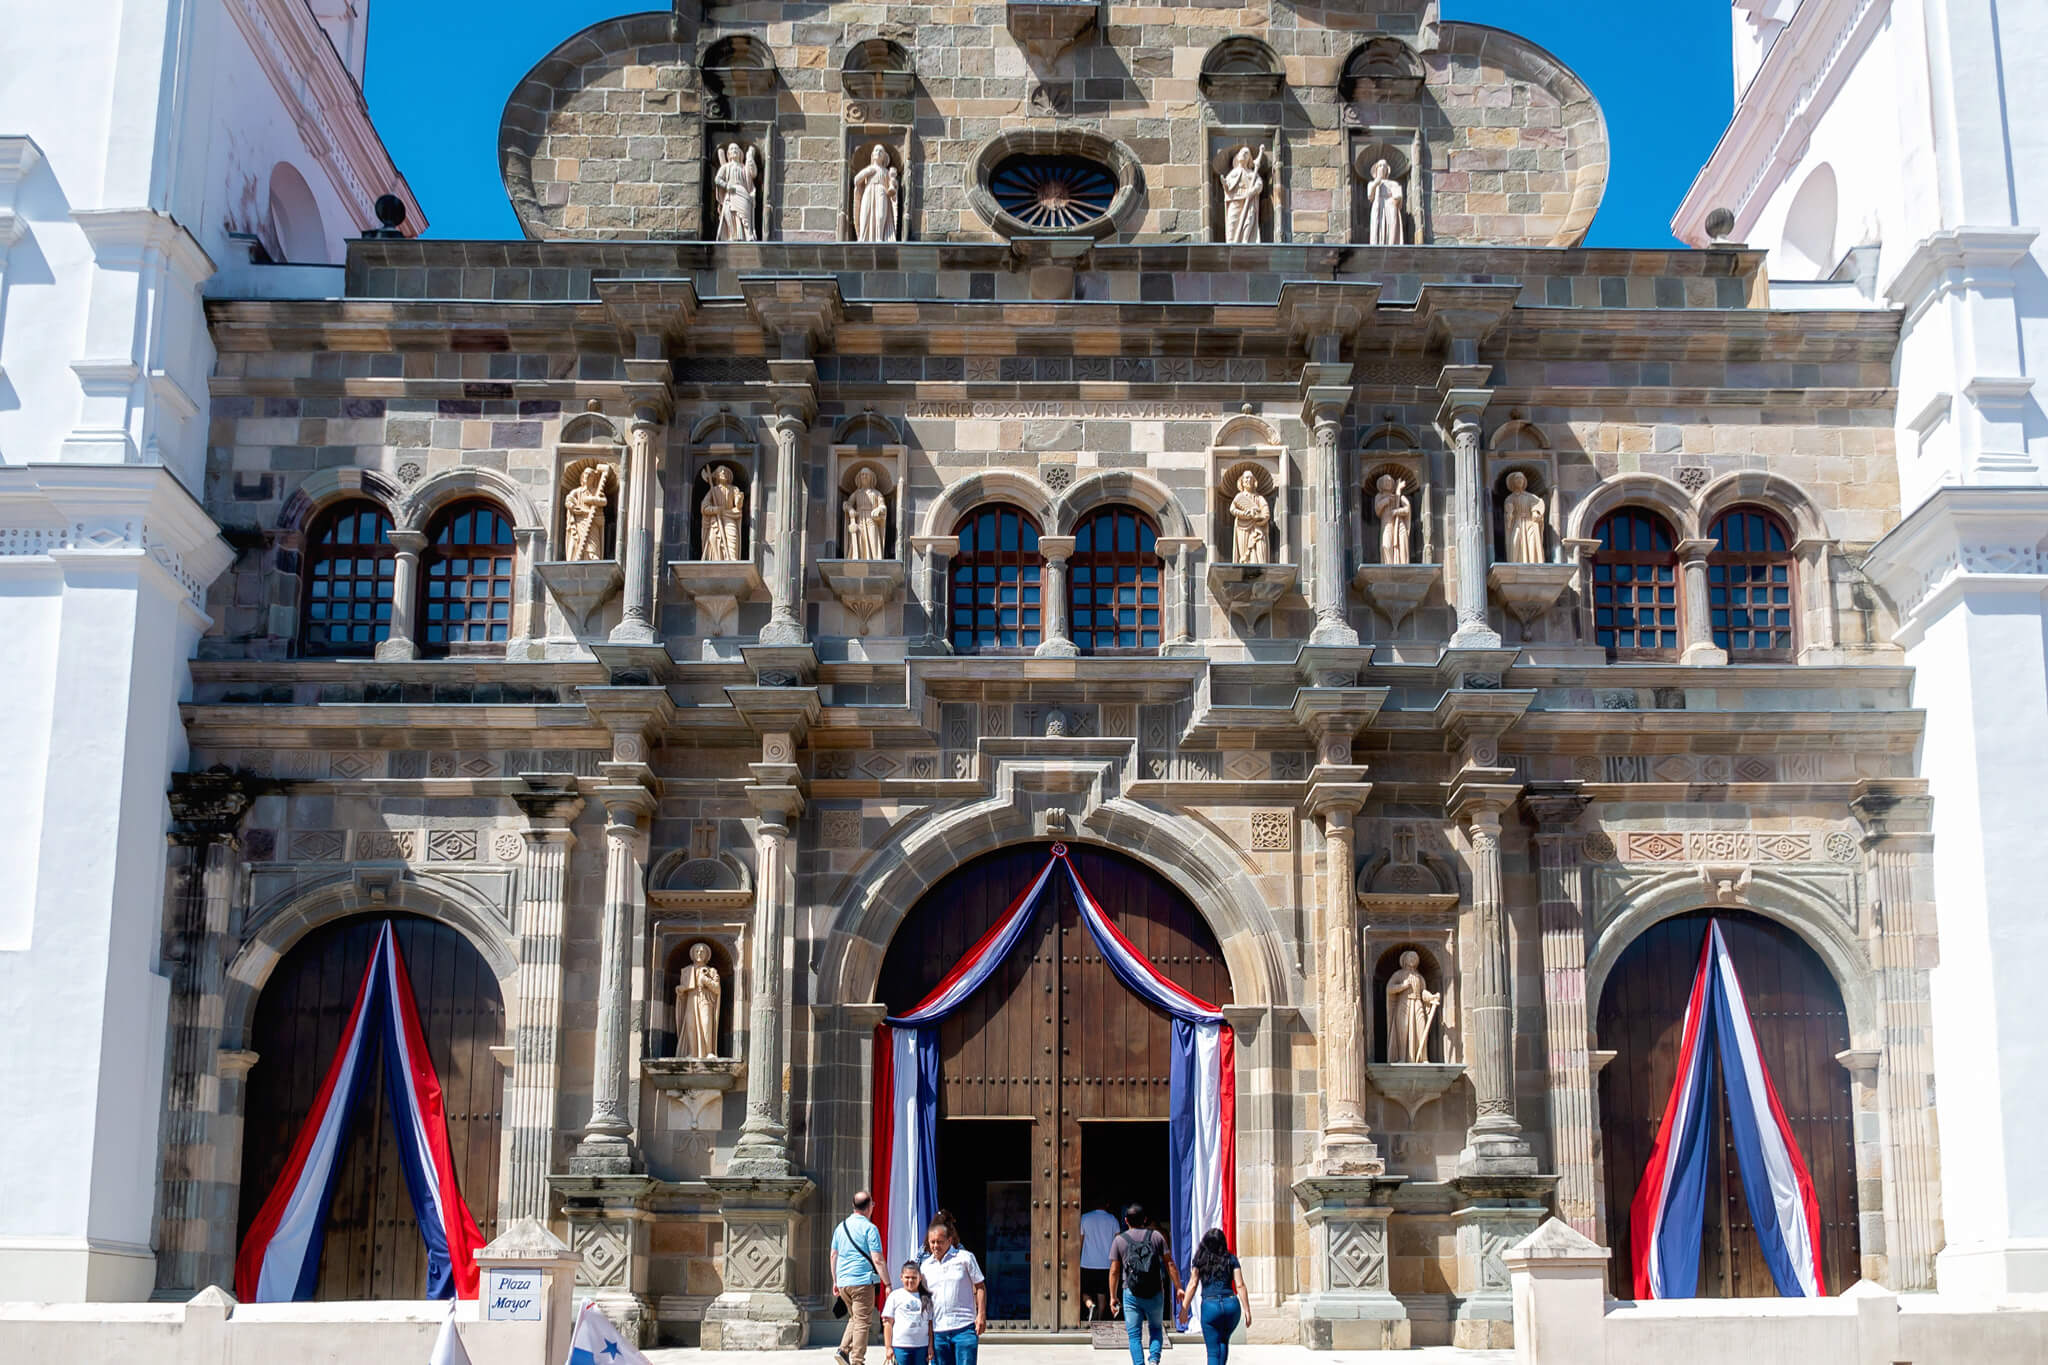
point(373, 1248)
point(1800, 1026)
point(1053, 1078)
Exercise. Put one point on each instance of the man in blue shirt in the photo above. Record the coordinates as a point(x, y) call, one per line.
point(856, 1276)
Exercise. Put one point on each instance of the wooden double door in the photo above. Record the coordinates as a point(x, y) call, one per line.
point(1053, 1078)
point(373, 1248)
point(1800, 1026)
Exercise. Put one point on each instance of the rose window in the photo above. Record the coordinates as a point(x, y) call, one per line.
point(1053, 193)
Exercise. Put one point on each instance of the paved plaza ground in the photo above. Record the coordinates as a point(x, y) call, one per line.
point(1183, 1353)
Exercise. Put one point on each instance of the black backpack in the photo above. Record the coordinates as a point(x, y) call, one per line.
point(1141, 1264)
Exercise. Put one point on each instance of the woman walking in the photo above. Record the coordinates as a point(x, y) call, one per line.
point(1219, 1284)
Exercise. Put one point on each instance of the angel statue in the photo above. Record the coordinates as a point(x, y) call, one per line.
point(583, 512)
point(1390, 506)
point(874, 200)
point(736, 183)
point(1243, 187)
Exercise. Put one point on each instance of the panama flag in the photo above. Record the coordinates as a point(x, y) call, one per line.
point(1668, 1215)
point(597, 1342)
point(280, 1257)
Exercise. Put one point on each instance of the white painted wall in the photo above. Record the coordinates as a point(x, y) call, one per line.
point(137, 138)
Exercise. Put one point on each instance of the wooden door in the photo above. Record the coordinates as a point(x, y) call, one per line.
point(1054, 1038)
point(1800, 1026)
point(373, 1248)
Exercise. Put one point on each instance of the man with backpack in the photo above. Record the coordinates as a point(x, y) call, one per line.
point(1139, 1271)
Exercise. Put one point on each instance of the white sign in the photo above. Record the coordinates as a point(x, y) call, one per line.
point(512, 1295)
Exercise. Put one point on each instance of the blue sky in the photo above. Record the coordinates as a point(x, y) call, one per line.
point(439, 72)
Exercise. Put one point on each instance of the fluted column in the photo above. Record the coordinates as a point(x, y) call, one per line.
point(763, 1147)
point(1574, 1123)
point(1326, 561)
point(1347, 1146)
point(1494, 1144)
point(785, 613)
point(550, 804)
point(1696, 615)
point(1469, 530)
point(636, 535)
point(1057, 644)
point(399, 643)
point(607, 1146)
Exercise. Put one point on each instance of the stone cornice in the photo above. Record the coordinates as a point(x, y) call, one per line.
point(323, 100)
point(1776, 114)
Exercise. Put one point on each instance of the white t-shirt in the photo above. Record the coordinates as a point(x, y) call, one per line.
point(1098, 1230)
point(911, 1321)
point(951, 1279)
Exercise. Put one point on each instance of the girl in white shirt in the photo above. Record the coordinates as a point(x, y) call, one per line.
point(907, 1318)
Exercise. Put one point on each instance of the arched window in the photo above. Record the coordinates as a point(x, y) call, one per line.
point(1749, 584)
point(1635, 586)
point(349, 572)
point(1113, 582)
point(996, 581)
point(466, 580)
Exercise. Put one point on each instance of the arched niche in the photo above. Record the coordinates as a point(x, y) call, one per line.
point(297, 233)
point(1435, 974)
point(1241, 68)
point(1383, 69)
point(674, 944)
point(1808, 248)
point(877, 69)
point(739, 64)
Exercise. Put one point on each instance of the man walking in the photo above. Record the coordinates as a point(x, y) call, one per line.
point(1139, 1269)
point(856, 1276)
point(1098, 1234)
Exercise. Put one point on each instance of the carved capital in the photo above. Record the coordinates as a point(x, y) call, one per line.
point(207, 807)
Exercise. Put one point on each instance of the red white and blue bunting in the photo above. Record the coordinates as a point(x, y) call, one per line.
point(1202, 1085)
point(1668, 1215)
point(280, 1257)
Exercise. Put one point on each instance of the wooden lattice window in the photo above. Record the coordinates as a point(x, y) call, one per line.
point(1113, 582)
point(1749, 585)
point(466, 580)
point(1635, 586)
point(349, 570)
point(996, 582)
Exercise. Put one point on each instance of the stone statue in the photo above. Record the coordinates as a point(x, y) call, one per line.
point(875, 195)
point(1525, 521)
point(1411, 1009)
point(722, 510)
point(1251, 515)
point(867, 516)
point(697, 996)
point(1384, 225)
point(735, 184)
point(1243, 187)
point(1396, 518)
point(583, 510)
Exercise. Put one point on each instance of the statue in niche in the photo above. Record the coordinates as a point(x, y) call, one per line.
point(722, 510)
point(1411, 1009)
point(697, 997)
point(736, 184)
point(1384, 225)
point(1243, 188)
point(875, 195)
point(583, 512)
point(867, 515)
point(1396, 518)
point(1525, 521)
point(1251, 518)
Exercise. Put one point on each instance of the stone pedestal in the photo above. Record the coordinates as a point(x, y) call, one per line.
point(757, 1311)
point(519, 1256)
point(609, 1227)
point(1349, 1306)
point(1502, 1212)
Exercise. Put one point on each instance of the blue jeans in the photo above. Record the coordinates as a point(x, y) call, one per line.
point(957, 1347)
point(1137, 1313)
point(911, 1355)
point(1220, 1317)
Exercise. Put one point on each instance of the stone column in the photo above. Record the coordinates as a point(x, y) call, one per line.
point(1695, 615)
point(636, 533)
point(933, 597)
point(1056, 644)
point(1898, 855)
point(1347, 1147)
point(551, 806)
point(1323, 407)
point(786, 590)
point(529, 594)
point(763, 1147)
point(1469, 529)
point(1574, 1122)
point(607, 1146)
point(1177, 613)
point(398, 644)
point(1494, 1144)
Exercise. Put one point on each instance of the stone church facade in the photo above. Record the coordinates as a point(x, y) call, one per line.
point(1627, 672)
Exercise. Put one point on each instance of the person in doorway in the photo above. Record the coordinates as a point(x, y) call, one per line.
point(856, 1276)
point(959, 1295)
point(1220, 1285)
point(1098, 1234)
point(907, 1318)
point(1139, 1270)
